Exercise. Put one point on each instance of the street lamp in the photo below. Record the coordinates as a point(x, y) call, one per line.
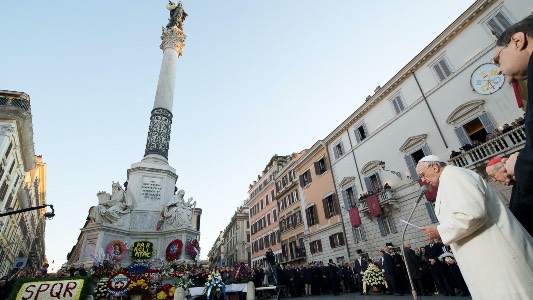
point(47, 215)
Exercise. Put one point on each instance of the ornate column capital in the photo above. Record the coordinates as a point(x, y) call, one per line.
point(174, 38)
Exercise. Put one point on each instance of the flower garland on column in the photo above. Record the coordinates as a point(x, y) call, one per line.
point(193, 247)
point(174, 250)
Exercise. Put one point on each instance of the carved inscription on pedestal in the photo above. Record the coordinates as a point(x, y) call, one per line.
point(145, 222)
point(151, 189)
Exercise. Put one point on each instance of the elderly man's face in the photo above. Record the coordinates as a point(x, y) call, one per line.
point(429, 173)
point(498, 173)
point(513, 58)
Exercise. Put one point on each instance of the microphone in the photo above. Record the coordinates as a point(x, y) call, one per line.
point(423, 190)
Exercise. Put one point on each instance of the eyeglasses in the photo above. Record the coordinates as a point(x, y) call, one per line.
point(423, 174)
point(496, 59)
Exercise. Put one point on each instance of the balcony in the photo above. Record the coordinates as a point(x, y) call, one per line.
point(385, 197)
point(502, 145)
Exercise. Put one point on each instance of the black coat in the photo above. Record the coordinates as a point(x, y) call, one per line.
point(358, 268)
point(413, 263)
point(434, 253)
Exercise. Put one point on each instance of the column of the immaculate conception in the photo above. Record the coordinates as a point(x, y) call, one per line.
point(149, 208)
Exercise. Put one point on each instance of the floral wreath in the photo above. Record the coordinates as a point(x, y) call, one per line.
point(191, 245)
point(146, 254)
point(173, 249)
point(116, 249)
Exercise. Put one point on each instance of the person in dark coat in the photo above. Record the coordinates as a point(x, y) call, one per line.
point(414, 264)
point(324, 280)
point(308, 279)
point(5, 287)
point(388, 268)
point(333, 277)
point(359, 267)
point(433, 251)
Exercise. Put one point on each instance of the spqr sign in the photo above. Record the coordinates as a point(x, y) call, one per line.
point(44, 290)
point(142, 250)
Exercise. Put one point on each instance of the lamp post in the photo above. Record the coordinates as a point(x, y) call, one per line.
point(47, 215)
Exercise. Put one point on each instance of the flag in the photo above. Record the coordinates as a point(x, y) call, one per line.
point(373, 205)
point(354, 217)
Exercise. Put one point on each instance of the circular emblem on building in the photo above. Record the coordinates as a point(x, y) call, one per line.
point(486, 80)
point(174, 250)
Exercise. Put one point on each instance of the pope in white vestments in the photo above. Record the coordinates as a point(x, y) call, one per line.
point(492, 249)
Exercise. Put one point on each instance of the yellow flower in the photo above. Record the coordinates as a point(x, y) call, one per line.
point(161, 295)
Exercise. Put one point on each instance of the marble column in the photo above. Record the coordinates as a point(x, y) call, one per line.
point(173, 41)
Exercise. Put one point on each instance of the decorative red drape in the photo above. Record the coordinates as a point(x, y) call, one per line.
point(354, 217)
point(373, 205)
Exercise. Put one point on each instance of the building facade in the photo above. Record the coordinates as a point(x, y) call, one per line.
point(263, 212)
point(22, 184)
point(216, 255)
point(446, 96)
point(324, 236)
point(236, 237)
point(291, 224)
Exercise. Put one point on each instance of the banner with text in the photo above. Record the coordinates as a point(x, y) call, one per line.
point(48, 290)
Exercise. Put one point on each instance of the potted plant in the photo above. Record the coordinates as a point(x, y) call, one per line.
point(373, 277)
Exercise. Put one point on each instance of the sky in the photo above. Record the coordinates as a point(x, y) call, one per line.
point(256, 78)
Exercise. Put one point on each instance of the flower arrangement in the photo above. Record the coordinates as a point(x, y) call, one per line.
point(193, 247)
point(160, 222)
point(214, 287)
point(103, 268)
point(174, 249)
point(166, 292)
point(139, 286)
point(373, 276)
point(184, 282)
point(116, 249)
point(101, 291)
point(242, 274)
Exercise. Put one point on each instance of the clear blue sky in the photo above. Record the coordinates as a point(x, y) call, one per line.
point(257, 78)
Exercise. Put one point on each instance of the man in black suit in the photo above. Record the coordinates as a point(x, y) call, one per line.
point(414, 264)
point(388, 272)
point(359, 267)
point(333, 276)
point(433, 251)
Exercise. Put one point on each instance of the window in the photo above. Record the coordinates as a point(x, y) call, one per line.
point(272, 195)
point(305, 178)
point(261, 205)
point(281, 205)
point(282, 225)
point(315, 246)
point(338, 150)
point(294, 196)
point(8, 149)
point(336, 240)
point(298, 217)
point(331, 206)
point(320, 166)
point(268, 219)
point(442, 69)
point(386, 225)
point(312, 217)
point(373, 183)
point(397, 104)
point(430, 206)
point(287, 201)
point(349, 198)
point(360, 132)
point(412, 159)
point(275, 215)
point(289, 222)
point(266, 200)
point(3, 191)
point(499, 23)
point(475, 130)
point(359, 234)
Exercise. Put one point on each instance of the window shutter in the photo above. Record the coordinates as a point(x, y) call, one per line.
point(301, 177)
point(309, 176)
point(431, 212)
point(342, 147)
point(487, 122)
point(438, 70)
point(400, 103)
point(335, 154)
point(381, 228)
point(315, 214)
point(336, 204)
point(395, 105)
point(307, 217)
point(409, 161)
point(332, 241)
point(378, 180)
point(362, 230)
point(345, 199)
point(355, 236)
point(365, 129)
point(341, 238)
point(326, 164)
point(325, 204)
point(462, 136)
point(368, 184)
point(392, 224)
point(445, 67)
point(425, 150)
point(317, 169)
point(319, 245)
point(357, 135)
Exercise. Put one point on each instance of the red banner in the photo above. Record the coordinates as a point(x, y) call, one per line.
point(354, 217)
point(373, 205)
point(431, 193)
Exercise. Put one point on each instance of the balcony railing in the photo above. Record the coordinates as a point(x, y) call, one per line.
point(384, 197)
point(503, 144)
point(18, 102)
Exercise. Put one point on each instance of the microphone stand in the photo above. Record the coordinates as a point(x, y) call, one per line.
point(413, 290)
